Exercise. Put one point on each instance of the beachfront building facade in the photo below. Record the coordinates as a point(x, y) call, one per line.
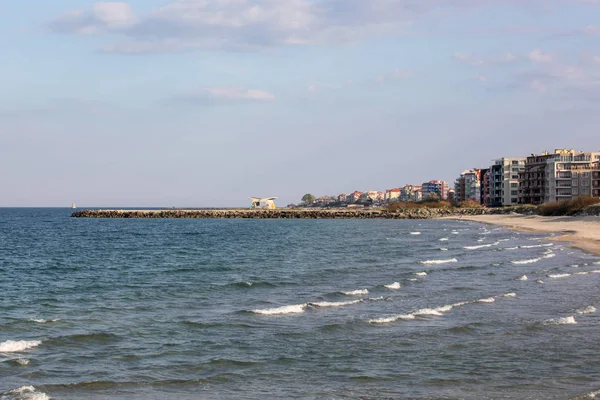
point(468, 186)
point(596, 180)
point(435, 189)
point(503, 182)
point(392, 195)
point(563, 175)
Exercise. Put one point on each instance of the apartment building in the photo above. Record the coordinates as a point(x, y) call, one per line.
point(468, 186)
point(503, 182)
point(563, 175)
point(435, 188)
point(392, 194)
point(596, 180)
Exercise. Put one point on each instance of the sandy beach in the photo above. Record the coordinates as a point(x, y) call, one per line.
point(582, 232)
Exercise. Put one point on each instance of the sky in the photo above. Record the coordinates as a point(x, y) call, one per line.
point(200, 103)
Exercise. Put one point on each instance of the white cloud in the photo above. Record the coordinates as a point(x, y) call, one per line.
point(478, 60)
point(539, 56)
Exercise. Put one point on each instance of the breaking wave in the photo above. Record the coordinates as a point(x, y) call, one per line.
point(393, 286)
point(358, 292)
point(557, 276)
point(24, 393)
point(481, 246)
point(429, 262)
point(587, 310)
point(530, 261)
point(293, 309)
point(421, 274)
point(13, 346)
point(415, 233)
point(325, 304)
point(523, 278)
point(560, 321)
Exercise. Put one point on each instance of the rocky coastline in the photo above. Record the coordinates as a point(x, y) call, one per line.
point(339, 213)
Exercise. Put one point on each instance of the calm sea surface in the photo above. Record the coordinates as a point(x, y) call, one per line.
point(291, 309)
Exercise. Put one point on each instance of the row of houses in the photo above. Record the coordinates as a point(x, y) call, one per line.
point(433, 189)
point(564, 174)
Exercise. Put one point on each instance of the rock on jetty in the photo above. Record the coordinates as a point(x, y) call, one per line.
point(338, 213)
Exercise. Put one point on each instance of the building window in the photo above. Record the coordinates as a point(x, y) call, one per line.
point(575, 182)
point(514, 185)
point(575, 191)
point(585, 183)
point(585, 191)
point(514, 192)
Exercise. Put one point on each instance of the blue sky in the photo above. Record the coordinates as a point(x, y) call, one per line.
point(207, 102)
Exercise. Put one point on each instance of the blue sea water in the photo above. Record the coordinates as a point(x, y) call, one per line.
point(291, 309)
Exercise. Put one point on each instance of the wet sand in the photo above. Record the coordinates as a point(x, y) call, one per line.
point(582, 232)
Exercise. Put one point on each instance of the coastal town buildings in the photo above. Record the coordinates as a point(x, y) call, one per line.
point(563, 175)
point(435, 188)
point(484, 187)
point(468, 186)
point(503, 182)
point(596, 180)
point(392, 194)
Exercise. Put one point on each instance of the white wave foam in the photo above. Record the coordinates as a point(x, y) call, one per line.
point(485, 233)
point(536, 246)
point(13, 346)
point(413, 279)
point(444, 239)
point(557, 276)
point(28, 393)
point(427, 311)
point(324, 304)
point(587, 310)
point(293, 309)
point(415, 233)
point(510, 295)
point(561, 321)
point(393, 286)
point(443, 249)
point(358, 292)
point(549, 255)
point(596, 263)
point(454, 232)
point(488, 300)
point(421, 274)
point(523, 278)
point(574, 266)
point(539, 281)
point(581, 273)
point(22, 361)
point(45, 321)
point(429, 262)
point(393, 318)
point(481, 246)
point(592, 395)
point(461, 303)
point(595, 271)
point(504, 240)
point(530, 261)
point(511, 248)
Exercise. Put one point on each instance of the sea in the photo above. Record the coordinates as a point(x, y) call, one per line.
point(292, 309)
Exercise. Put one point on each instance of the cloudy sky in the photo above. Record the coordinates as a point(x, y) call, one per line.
point(207, 102)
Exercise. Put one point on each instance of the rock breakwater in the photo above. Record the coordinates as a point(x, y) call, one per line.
point(341, 213)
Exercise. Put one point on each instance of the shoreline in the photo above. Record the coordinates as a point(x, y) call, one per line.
point(583, 233)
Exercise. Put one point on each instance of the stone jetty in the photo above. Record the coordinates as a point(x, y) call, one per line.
point(337, 213)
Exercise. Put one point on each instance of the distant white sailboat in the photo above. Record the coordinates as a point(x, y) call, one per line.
point(73, 205)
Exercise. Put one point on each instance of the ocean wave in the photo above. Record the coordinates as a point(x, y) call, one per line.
point(523, 278)
point(510, 295)
point(574, 266)
point(487, 300)
point(557, 276)
point(325, 304)
point(530, 261)
point(429, 262)
point(421, 274)
point(511, 248)
point(549, 255)
point(443, 249)
point(45, 321)
point(587, 310)
point(444, 239)
point(393, 318)
point(393, 286)
point(25, 393)
point(414, 233)
point(481, 246)
point(16, 346)
point(535, 246)
point(358, 292)
point(560, 321)
point(539, 281)
point(454, 232)
point(293, 309)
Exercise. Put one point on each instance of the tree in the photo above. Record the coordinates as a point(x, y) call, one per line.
point(308, 198)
